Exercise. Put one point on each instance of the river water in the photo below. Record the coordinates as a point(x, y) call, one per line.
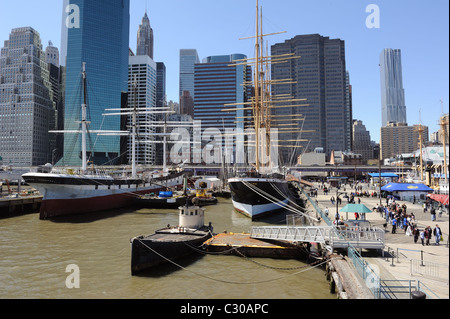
point(34, 255)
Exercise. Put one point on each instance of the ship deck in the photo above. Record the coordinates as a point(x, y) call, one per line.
point(168, 235)
point(242, 244)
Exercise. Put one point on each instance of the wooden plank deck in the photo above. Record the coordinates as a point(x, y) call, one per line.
point(242, 244)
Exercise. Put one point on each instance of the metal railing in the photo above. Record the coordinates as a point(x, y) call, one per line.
point(429, 269)
point(370, 277)
point(325, 218)
point(403, 289)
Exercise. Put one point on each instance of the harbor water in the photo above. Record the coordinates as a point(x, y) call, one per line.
point(35, 255)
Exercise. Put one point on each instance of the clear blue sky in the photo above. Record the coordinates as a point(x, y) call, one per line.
point(419, 28)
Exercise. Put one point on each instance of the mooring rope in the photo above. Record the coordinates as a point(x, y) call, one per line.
point(227, 281)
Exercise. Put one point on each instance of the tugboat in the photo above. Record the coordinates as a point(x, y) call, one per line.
point(204, 197)
point(165, 199)
point(170, 243)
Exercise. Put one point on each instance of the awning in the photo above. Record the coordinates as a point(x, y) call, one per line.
point(355, 208)
point(403, 187)
point(439, 198)
point(383, 175)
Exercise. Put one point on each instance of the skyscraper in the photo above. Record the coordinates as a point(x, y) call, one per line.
point(142, 69)
point(188, 59)
point(52, 54)
point(361, 141)
point(393, 108)
point(95, 33)
point(27, 111)
point(319, 76)
point(145, 38)
point(160, 84)
point(219, 81)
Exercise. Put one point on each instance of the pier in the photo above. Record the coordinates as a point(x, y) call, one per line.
point(20, 203)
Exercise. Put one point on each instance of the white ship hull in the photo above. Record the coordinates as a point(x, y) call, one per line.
point(65, 194)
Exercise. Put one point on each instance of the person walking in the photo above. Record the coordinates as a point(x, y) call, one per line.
point(422, 237)
point(394, 225)
point(433, 214)
point(428, 233)
point(416, 235)
point(437, 233)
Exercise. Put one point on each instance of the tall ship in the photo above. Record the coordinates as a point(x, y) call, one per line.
point(69, 191)
point(263, 189)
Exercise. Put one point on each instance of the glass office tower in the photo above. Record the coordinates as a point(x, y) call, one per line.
point(319, 76)
point(220, 80)
point(97, 33)
point(188, 59)
point(393, 108)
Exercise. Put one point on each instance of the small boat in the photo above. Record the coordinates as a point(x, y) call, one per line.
point(165, 199)
point(204, 197)
point(171, 243)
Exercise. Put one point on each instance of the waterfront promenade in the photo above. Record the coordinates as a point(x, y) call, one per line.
point(407, 254)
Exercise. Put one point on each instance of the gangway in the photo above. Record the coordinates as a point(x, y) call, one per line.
point(372, 238)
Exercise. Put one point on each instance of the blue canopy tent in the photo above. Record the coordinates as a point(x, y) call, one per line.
point(407, 191)
point(401, 187)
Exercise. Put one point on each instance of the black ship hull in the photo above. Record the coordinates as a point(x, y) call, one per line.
point(164, 246)
point(256, 197)
point(161, 202)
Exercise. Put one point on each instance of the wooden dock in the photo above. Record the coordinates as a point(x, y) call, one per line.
point(242, 244)
point(20, 203)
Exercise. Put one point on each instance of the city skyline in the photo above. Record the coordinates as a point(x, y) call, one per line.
point(419, 29)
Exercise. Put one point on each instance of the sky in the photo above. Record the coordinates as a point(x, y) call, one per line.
point(419, 28)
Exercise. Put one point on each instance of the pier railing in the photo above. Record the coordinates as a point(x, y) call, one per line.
point(325, 218)
point(370, 277)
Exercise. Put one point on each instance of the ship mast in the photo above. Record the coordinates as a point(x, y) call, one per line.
point(84, 123)
point(443, 123)
point(258, 73)
point(264, 101)
point(133, 133)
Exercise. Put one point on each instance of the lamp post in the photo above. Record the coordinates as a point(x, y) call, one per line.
point(337, 202)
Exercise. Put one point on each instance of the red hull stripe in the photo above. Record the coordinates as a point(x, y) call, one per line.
point(59, 207)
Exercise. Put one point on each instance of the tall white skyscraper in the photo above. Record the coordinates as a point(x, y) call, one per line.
point(393, 108)
point(142, 69)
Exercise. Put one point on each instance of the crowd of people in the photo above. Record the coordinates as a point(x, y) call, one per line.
point(398, 216)
point(395, 214)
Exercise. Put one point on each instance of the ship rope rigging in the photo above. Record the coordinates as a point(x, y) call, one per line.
point(322, 262)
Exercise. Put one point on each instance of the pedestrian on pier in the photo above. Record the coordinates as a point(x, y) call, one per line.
point(428, 234)
point(394, 225)
point(433, 214)
point(437, 233)
point(422, 237)
point(416, 236)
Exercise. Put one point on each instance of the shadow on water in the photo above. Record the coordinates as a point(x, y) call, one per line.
point(169, 268)
point(86, 218)
point(5, 213)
